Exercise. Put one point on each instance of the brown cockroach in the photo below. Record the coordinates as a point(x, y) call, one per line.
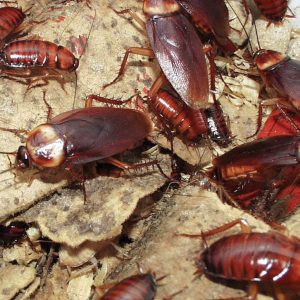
point(212, 18)
point(40, 60)
point(282, 73)
point(273, 10)
point(136, 287)
point(178, 49)
point(259, 259)
point(84, 135)
point(252, 174)
point(190, 124)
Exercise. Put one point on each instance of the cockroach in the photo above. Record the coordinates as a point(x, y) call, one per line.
point(10, 19)
point(267, 259)
point(136, 287)
point(252, 174)
point(280, 72)
point(178, 49)
point(278, 124)
point(273, 10)
point(217, 125)
point(36, 59)
point(178, 117)
point(84, 135)
point(190, 124)
point(212, 18)
point(12, 233)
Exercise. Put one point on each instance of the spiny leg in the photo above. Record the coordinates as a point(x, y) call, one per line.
point(134, 50)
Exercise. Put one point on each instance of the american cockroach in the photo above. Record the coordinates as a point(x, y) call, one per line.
point(273, 10)
point(12, 233)
point(257, 259)
point(252, 174)
point(136, 287)
point(280, 72)
point(36, 59)
point(212, 18)
point(190, 124)
point(178, 49)
point(278, 124)
point(84, 135)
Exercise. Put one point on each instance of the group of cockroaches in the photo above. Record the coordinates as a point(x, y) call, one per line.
point(251, 175)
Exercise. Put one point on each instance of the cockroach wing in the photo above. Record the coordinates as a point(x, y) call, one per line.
point(285, 78)
point(98, 132)
point(178, 50)
point(261, 154)
point(212, 17)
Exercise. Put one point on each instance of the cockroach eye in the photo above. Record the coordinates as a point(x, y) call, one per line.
point(23, 160)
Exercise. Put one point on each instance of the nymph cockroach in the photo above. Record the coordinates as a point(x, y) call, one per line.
point(257, 259)
point(178, 49)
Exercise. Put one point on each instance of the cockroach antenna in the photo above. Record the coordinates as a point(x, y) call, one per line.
point(84, 48)
point(243, 26)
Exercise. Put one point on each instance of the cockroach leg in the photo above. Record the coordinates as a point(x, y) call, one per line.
point(49, 108)
point(158, 83)
point(18, 132)
point(280, 104)
point(44, 79)
point(89, 100)
point(127, 166)
point(245, 228)
point(132, 14)
point(47, 266)
point(133, 50)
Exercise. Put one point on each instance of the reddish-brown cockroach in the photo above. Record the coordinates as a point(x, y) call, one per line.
point(282, 73)
point(178, 117)
point(273, 10)
point(212, 18)
point(40, 60)
point(252, 174)
point(12, 233)
point(84, 135)
point(10, 19)
point(178, 49)
point(136, 287)
point(255, 258)
point(190, 124)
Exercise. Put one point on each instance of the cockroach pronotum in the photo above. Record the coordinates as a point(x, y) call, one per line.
point(40, 60)
point(273, 10)
point(190, 124)
point(10, 19)
point(255, 258)
point(12, 233)
point(252, 174)
point(212, 18)
point(178, 49)
point(136, 287)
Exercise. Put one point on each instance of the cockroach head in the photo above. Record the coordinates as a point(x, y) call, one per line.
point(23, 160)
